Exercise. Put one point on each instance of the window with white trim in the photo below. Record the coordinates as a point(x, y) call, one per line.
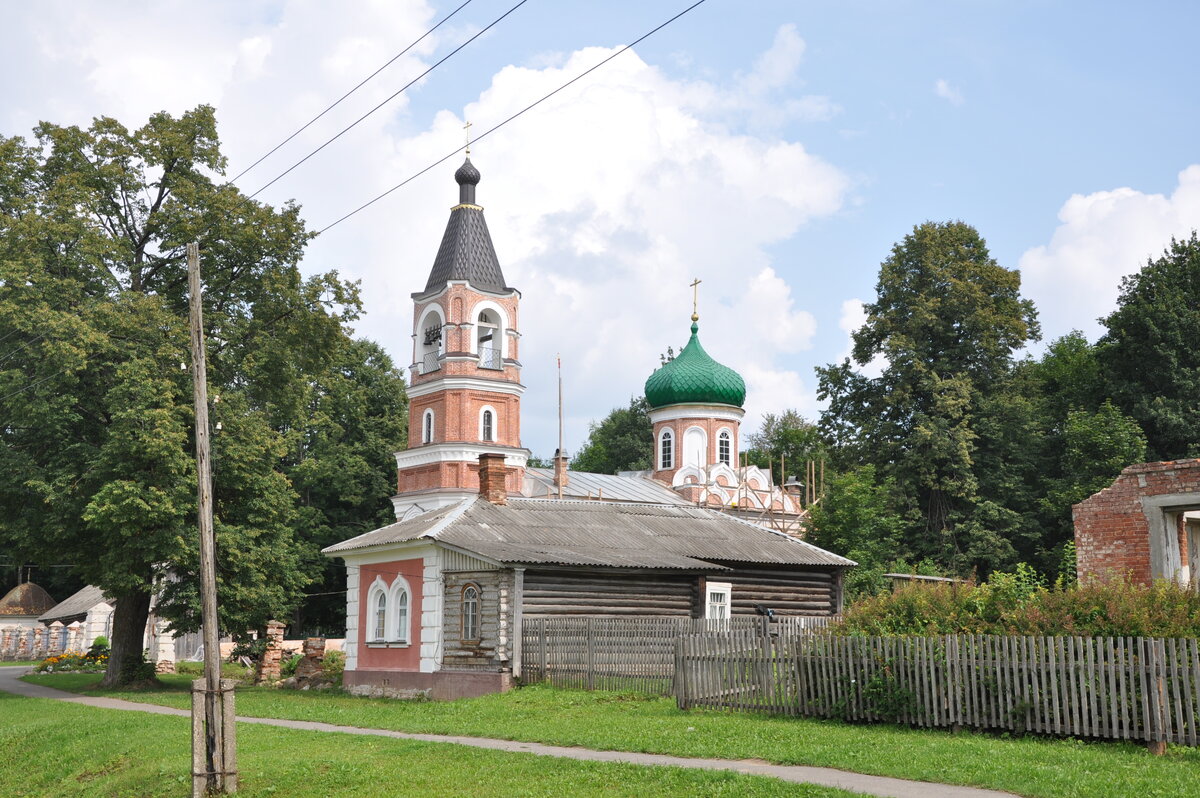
point(724, 447)
point(427, 427)
point(487, 424)
point(400, 631)
point(379, 616)
point(470, 613)
point(666, 450)
point(717, 600)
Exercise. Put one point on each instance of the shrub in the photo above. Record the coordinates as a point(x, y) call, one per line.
point(288, 666)
point(332, 666)
point(1019, 603)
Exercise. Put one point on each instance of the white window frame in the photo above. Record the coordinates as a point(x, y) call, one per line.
point(726, 437)
point(722, 609)
point(665, 464)
point(478, 614)
point(379, 590)
point(428, 418)
point(399, 589)
point(495, 424)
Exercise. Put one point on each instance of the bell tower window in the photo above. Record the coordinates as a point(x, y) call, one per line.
point(488, 331)
point(487, 424)
point(429, 340)
point(427, 427)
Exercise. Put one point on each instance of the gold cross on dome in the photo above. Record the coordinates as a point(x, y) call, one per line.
point(695, 298)
point(467, 130)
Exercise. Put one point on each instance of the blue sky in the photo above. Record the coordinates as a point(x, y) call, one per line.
point(776, 150)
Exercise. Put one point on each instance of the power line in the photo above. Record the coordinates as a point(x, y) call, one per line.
point(445, 58)
point(361, 83)
point(494, 128)
point(9, 356)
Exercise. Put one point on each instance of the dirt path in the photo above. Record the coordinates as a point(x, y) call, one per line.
point(829, 777)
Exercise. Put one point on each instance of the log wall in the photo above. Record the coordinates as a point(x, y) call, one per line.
point(496, 619)
point(554, 593)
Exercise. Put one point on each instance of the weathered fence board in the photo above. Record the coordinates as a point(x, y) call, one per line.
point(634, 653)
point(1126, 688)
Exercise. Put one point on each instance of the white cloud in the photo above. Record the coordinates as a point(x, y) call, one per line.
point(951, 94)
point(1074, 279)
point(603, 203)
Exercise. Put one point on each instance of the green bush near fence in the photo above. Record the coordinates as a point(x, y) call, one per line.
point(1017, 604)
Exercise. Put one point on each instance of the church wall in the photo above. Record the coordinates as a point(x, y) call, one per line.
point(494, 647)
point(390, 655)
point(712, 428)
point(456, 474)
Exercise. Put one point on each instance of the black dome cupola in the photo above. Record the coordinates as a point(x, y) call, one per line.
point(466, 252)
point(467, 178)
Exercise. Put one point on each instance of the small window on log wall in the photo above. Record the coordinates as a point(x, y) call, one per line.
point(470, 614)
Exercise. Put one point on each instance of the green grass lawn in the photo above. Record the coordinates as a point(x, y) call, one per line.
point(53, 748)
point(1025, 765)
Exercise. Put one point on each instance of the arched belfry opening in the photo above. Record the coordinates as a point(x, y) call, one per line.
point(488, 341)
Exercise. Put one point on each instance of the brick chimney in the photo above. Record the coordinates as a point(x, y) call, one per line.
point(560, 470)
point(491, 478)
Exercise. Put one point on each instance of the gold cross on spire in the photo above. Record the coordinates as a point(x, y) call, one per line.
point(695, 299)
point(467, 130)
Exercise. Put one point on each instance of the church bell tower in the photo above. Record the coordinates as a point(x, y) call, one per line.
point(465, 387)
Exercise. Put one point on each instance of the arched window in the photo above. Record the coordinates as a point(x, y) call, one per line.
point(487, 425)
point(379, 607)
point(723, 447)
point(401, 614)
point(430, 342)
point(470, 613)
point(427, 427)
point(666, 450)
point(490, 346)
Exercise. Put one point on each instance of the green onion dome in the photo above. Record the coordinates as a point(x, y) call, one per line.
point(695, 378)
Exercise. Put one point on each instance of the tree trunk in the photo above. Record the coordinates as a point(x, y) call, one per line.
point(125, 662)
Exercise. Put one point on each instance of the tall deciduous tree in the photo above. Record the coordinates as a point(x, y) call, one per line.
point(946, 320)
point(96, 458)
point(1149, 354)
point(622, 441)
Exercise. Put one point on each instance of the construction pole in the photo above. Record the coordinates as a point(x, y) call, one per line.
point(215, 778)
point(561, 453)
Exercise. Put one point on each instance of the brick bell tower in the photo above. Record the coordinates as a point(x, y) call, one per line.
point(465, 387)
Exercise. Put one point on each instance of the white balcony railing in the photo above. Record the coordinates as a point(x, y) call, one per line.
point(489, 357)
point(429, 363)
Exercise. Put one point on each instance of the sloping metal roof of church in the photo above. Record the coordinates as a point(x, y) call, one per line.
point(598, 533)
point(539, 484)
point(466, 252)
point(693, 377)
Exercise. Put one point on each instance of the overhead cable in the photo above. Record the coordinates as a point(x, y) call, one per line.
point(494, 128)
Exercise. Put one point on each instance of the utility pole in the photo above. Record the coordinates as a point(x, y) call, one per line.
point(215, 772)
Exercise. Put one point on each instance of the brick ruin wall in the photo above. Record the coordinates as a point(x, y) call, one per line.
point(1112, 530)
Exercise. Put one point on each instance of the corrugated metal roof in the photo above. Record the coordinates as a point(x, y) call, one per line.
point(411, 529)
point(594, 533)
point(585, 485)
point(76, 604)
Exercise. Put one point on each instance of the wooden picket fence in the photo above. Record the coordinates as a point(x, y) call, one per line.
point(635, 654)
point(1129, 688)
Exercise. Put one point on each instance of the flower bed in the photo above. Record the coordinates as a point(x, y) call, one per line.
point(75, 662)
